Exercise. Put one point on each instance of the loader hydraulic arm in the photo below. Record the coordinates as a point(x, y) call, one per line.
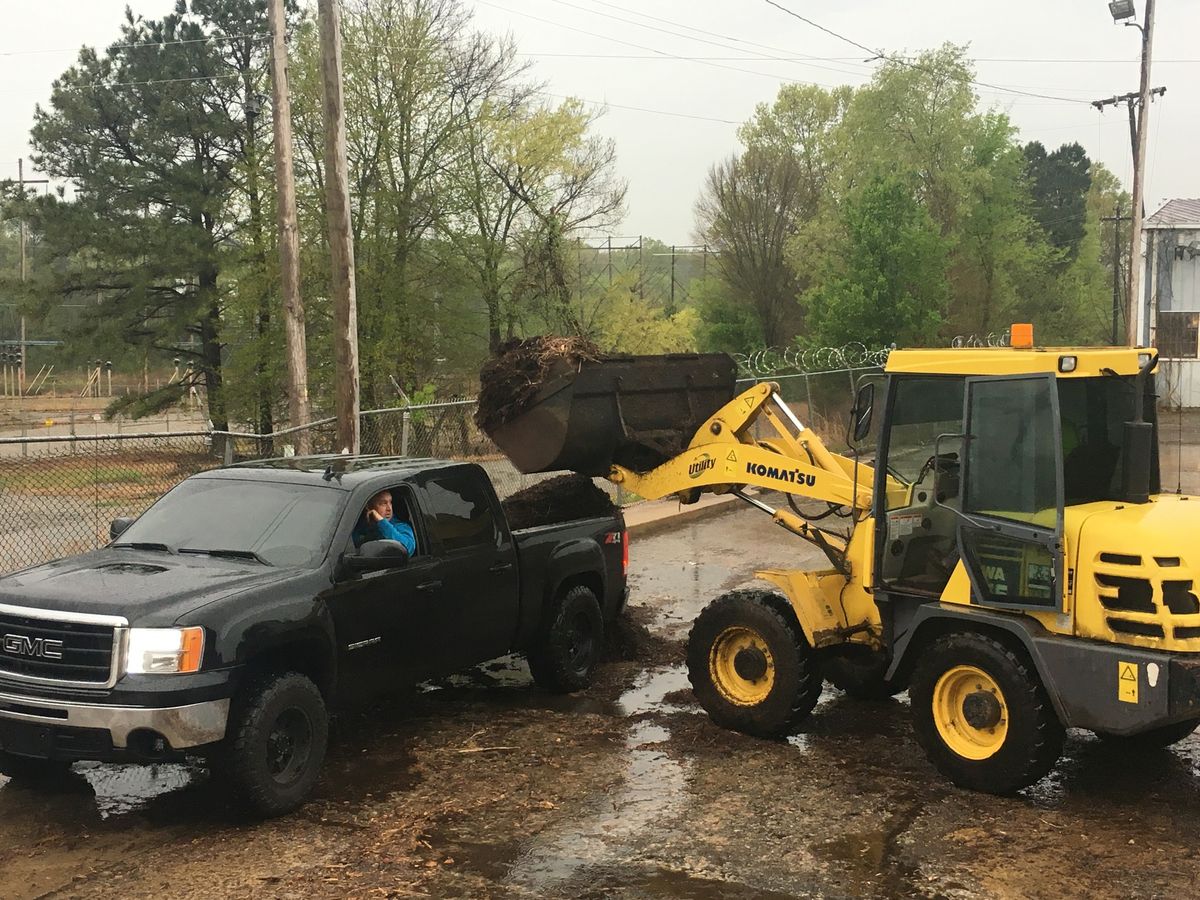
point(725, 456)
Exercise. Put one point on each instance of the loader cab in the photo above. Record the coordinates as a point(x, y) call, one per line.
point(988, 463)
point(981, 458)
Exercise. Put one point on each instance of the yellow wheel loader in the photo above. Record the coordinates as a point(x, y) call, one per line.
point(1007, 555)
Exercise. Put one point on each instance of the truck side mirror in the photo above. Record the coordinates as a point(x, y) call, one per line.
point(376, 556)
point(118, 526)
point(860, 415)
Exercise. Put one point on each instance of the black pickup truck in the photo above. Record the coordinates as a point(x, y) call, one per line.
point(229, 618)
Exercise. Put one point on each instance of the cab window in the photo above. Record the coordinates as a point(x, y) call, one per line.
point(460, 512)
point(403, 506)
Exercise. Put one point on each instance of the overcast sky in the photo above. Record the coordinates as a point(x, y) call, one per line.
point(591, 49)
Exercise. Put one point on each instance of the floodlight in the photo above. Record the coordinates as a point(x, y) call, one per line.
point(1121, 9)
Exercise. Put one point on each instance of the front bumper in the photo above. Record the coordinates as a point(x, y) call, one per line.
point(57, 728)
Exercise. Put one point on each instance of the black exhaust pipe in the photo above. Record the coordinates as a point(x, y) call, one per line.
point(1138, 448)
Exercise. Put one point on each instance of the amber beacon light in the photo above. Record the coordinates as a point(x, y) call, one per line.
point(1021, 335)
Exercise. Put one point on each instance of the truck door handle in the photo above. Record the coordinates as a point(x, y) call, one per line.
point(500, 567)
point(429, 586)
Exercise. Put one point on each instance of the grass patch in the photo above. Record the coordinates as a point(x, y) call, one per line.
point(73, 478)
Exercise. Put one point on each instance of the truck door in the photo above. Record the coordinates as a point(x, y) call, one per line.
point(1010, 535)
point(382, 619)
point(478, 601)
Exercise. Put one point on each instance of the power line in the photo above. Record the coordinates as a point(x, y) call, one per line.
point(723, 42)
point(735, 40)
point(879, 54)
point(203, 40)
point(645, 109)
point(112, 84)
point(631, 44)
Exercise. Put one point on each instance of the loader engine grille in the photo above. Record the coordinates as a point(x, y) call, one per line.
point(1140, 600)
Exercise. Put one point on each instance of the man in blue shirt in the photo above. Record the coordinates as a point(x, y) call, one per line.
point(378, 523)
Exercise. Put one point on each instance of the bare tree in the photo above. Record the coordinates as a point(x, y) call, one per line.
point(748, 212)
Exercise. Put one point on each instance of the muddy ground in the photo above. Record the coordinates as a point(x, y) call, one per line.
point(486, 787)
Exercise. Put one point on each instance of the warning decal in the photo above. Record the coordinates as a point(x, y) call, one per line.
point(1127, 682)
point(732, 457)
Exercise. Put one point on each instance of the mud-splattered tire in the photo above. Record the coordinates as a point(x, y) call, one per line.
point(1154, 739)
point(275, 743)
point(568, 648)
point(750, 666)
point(859, 673)
point(982, 716)
point(28, 768)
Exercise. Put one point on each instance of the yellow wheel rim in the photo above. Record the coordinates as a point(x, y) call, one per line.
point(741, 666)
point(970, 712)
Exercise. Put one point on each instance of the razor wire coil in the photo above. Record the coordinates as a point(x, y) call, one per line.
point(769, 361)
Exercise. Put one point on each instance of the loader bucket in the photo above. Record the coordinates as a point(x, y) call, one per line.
point(635, 411)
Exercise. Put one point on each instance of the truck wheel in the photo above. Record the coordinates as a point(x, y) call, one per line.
point(1154, 739)
point(278, 732)
point(859, 673)
point(750, 667)
point(982, 716)
point(569, 645)
point(30, 768)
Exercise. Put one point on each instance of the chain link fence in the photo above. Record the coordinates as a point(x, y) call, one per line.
point(58, 494)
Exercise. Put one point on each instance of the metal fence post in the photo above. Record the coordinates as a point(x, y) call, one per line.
point(228, 450)
point(24, 447)
point(405, 431)
point(72, 431)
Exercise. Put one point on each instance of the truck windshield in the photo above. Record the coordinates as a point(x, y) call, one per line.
point(277, 524)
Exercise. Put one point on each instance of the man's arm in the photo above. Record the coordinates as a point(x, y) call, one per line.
point(398, 531)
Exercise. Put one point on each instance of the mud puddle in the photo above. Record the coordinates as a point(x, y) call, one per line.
point(651, 789)
point(596, 848)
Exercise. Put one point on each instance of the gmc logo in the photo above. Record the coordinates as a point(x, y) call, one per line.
point(23, 645)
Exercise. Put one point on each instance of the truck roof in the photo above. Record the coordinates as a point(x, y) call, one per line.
point(335, 469)
point(1088, 361)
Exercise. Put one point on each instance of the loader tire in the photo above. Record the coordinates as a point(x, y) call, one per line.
point(566, 652)
point(750, 666)
point(982, 716)
point(859, 673)
point(1154, 739)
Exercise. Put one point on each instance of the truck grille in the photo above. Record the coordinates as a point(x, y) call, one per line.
point(34, 647)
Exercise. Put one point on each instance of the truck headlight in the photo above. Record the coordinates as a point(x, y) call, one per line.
point(164, 651)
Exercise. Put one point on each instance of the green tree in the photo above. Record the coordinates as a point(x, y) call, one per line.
point(747, 213)
point(723, 324)
point(754, 203)
point(1060, 182)
point(152, 133)
point(887, 280)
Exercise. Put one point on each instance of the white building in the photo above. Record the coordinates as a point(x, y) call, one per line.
point(1169, 317)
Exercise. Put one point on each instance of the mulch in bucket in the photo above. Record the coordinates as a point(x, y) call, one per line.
point(511, 378)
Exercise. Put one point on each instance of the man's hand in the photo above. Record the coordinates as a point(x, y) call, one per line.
point(373, 516)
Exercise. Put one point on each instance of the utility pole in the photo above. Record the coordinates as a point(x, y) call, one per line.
point(1123, 11)
point(337, 210)
point(1137, 134)
point(1116, 308)
point(1138, 212)
point(289, 244)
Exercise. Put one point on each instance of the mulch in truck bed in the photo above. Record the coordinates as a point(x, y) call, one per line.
point(555, 500)
point(511, 378)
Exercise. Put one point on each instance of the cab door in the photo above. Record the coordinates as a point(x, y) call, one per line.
point(1010, 533)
